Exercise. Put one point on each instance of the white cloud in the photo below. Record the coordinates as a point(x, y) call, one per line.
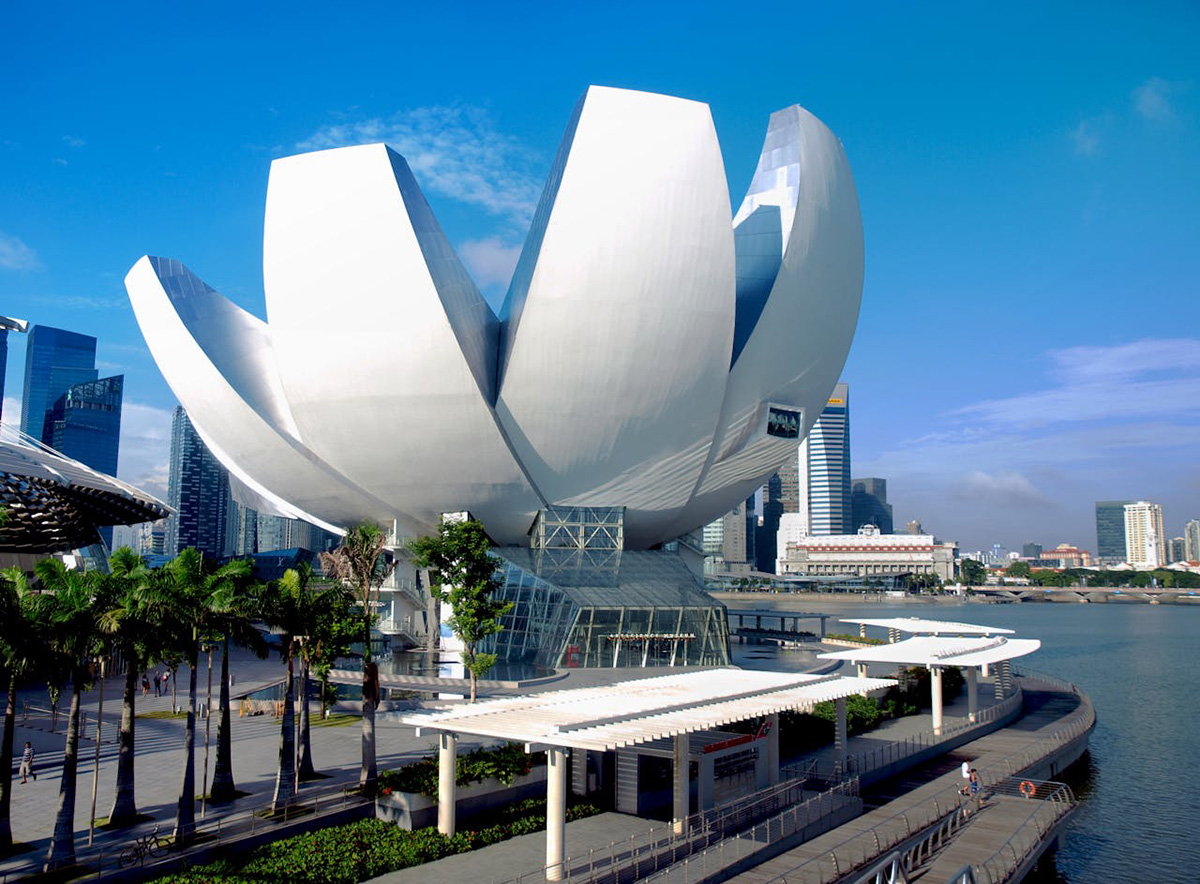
point(490, 261)
point(15, 255)
point(1086, 138)
point(72, 141)
point(12, 412)
point(1004, 489)
point(1153, 98)
point(145, 447)
point(453, 151)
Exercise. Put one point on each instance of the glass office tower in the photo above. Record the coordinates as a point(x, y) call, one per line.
point(55, 361)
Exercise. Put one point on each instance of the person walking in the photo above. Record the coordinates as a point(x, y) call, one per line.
point(157, 685)
point(976, 789)
point(27, 763)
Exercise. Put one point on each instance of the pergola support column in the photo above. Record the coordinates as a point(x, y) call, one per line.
point(972, 693)
point(447, 782)
point(773, 749)
point(839, 734)
point(935, 691)
point(556, 813)
point(998, 683)
point(682, 795)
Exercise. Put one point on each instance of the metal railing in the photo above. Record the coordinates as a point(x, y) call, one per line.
point(1051, 802)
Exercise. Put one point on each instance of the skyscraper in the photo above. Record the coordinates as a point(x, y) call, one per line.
point(7, 324)
point(198, 490)
point(1110, 530)
point(869, 506)
point(1144, 541)
point(829, 506)
point(55, 361)
point(85, 424)
point(1191, 540)
point(1176, 550)
point(765, 537)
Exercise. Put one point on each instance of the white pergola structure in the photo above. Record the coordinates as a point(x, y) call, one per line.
point(937, 652)
point(624, 714)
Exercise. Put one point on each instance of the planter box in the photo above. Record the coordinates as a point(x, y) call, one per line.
point(412, 810)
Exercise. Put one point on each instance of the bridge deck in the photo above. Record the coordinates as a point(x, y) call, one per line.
point(985, 833)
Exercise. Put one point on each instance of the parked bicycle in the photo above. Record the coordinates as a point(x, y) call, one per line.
point(152, 845)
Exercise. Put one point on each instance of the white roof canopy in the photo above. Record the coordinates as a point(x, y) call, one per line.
point(930, 650)
point(641, 710)
point(921, 626)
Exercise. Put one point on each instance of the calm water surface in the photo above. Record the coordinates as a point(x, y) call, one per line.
point(1140, 819)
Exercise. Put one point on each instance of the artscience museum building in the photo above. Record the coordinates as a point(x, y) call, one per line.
point(658, 355)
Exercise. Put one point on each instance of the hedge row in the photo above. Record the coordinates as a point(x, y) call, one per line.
point(504, 763)
point(366, 849)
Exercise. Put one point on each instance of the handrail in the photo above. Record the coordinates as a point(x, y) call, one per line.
point(1056, 801)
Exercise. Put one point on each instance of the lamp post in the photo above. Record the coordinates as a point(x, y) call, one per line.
point(207, 730)
point(96, 760)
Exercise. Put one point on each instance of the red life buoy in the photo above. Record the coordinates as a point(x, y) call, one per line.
point(1028, 789)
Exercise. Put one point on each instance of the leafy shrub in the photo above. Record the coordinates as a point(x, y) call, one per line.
point(504, 763)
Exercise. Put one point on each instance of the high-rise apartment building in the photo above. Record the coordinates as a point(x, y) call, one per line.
point(55, 361)
point(1191, 540)
point(1144, 541)
point(7, 324)
point(198, 490)
point(829, 506)
point(1110, 530)
point(869, 506)
point(1176, 550)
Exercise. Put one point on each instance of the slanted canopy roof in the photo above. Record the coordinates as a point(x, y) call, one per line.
point(921, 626)
point(931, 650)
point(55, 503)
point(641, 710)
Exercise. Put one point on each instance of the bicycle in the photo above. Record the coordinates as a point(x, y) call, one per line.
point(153, 845)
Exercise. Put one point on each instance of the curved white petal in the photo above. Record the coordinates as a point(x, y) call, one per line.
point(619, 323)
point(810, 314)
point(386, 350)
point(216, 358)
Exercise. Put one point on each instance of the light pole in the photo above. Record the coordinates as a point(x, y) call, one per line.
point(207, 730)
point(96, 761)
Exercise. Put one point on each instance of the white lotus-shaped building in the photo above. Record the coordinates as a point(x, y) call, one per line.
point(655, 351)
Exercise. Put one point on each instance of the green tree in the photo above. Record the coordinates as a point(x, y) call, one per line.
point(973, 572)
point(133, 635)
point(463, 573)
point(66, 612)
point(1020, 570)
point(20, 652)
point(361, 564)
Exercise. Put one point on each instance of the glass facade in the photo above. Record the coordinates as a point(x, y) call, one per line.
point(580, 600)
point(55, 360)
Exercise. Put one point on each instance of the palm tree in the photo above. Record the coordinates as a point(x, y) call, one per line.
point(186, 602)
point(360, 563)
point(67, 610)
point(133, 632)
point(19, 650)
point(235, 624)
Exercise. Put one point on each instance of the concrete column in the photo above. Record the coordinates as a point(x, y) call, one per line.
point(773, 749)
point(1006, 677)
point(707, 782)
point(862, 630)
point(447, 782)
point(983, 670)
point(935, 691)
point(556, 813)
point(998, 684)
point(972, 693)
point(839, 733)
point(683, 746)
point(861, 670)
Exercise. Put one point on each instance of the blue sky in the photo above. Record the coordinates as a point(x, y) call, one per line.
point(1030, 336)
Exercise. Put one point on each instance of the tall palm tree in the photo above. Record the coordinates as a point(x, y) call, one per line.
point(67, 610)
point(360, 563)
point(134, 635)
point(186, 602)
point(19, 656)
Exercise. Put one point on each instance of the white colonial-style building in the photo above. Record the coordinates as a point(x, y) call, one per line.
point(868, 554)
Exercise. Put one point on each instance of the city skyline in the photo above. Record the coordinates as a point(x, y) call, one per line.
point(1058, 183)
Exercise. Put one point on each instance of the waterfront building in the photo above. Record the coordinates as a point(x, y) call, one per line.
point(198, 491)
point(1191, 540)
point(7, 324)
point(1064, 556)
point(55, 360)
point(869, 554)
point(1176, 550)
point(1110, 531)
point(868, 503)
point(1145, 545)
